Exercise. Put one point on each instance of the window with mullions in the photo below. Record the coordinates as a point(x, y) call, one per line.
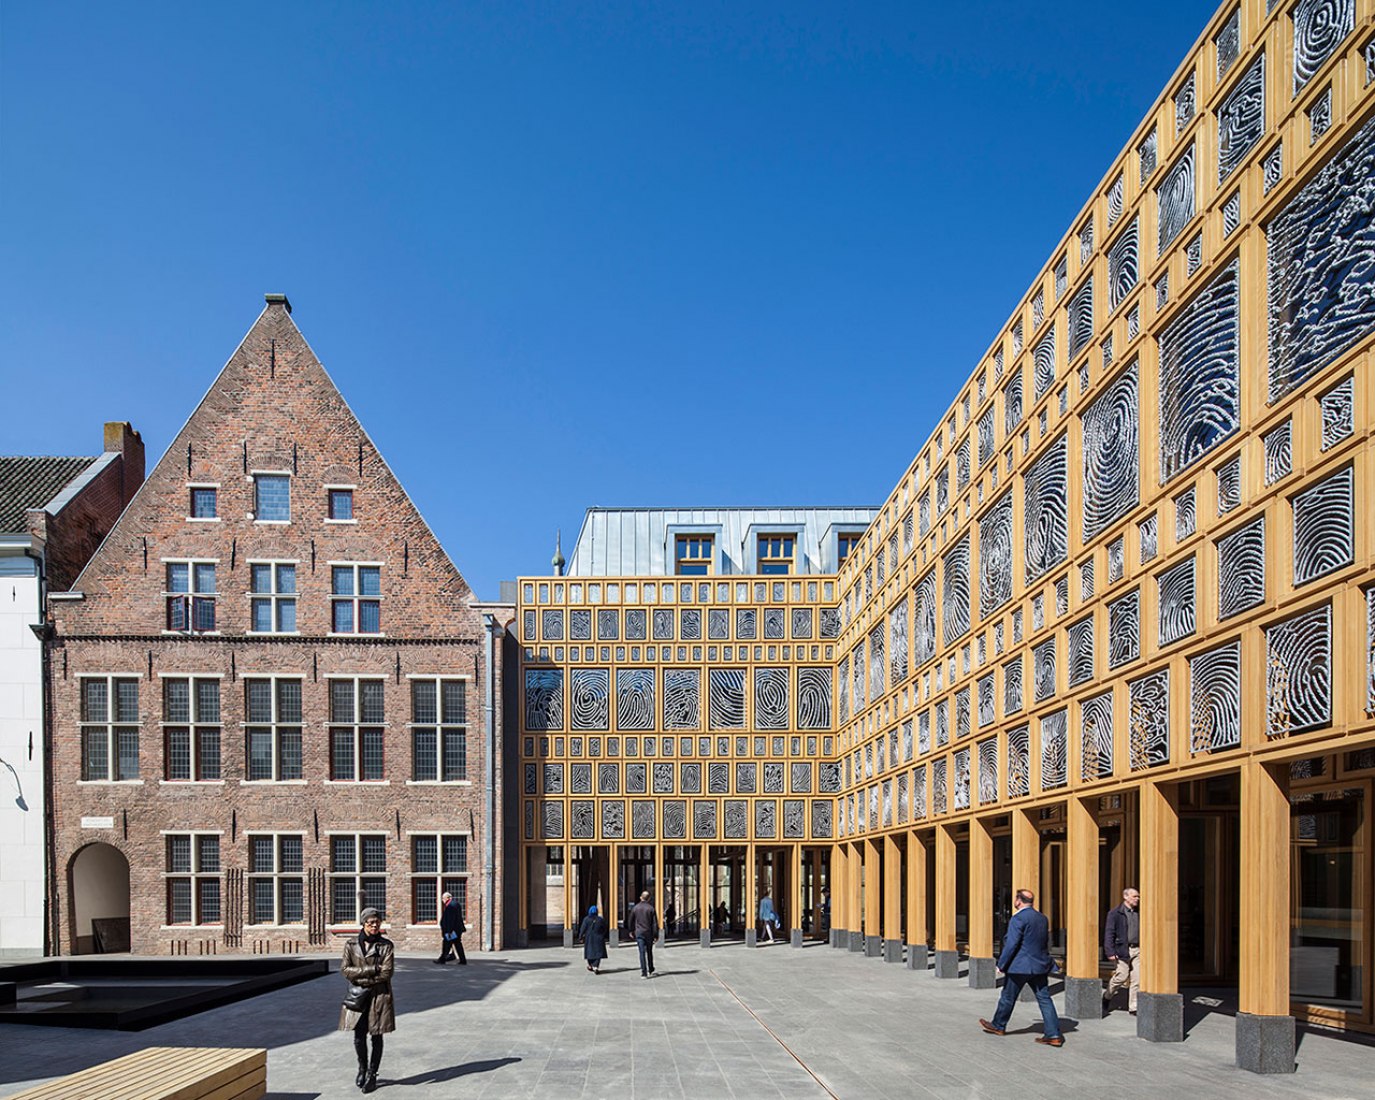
point(190, 596)
point(273, 729)
point(273, 600)
point(272, 498)
point(439, 730)
point(439, 866)
point(776, 553)
point(846, 544)
point(193, 878)
point(191, 728)
point(109, 728)
point(205, 503)
point(356, 605)
point(340, 502)
point(694, 554)
point(358, 876)
point(276, 879)
point(356, 716)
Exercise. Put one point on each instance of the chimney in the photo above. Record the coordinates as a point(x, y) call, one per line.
point(121, 439)
point(278, 300)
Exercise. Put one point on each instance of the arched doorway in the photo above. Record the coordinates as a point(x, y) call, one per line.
point(100, 900)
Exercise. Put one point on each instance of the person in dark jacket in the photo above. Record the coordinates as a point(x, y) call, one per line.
point(1122, 945)
point(1025, 961)
point(369, 961)
point(451, 923)
point(593, 932)
point(643, 924)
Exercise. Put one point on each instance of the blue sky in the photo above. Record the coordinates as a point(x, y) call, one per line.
point(554, 255)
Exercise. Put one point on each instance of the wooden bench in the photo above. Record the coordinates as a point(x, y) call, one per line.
point(165, 1073)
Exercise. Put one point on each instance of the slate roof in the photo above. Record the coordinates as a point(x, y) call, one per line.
point(30, 481)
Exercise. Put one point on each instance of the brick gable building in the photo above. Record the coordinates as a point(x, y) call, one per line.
point(268, 690)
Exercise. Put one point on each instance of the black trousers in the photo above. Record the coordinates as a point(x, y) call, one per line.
point(646, 953)
point(360, 1045)
point(451, 946)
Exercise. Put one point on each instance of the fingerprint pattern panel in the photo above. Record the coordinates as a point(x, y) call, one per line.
point(1200, 391)
point(1046, 509)
point(1043, 664)
point(988, 771)
point(642, 820)
point(1043, 364)
point(613, 819)
point(961, 791)
point(1324, 527)
point(843, 675)
point(938, 785)
point(675, 820)
point(814, 698)
point(1018, 761)
point(1338, 414)
point(771, 707)
point(1176, 599)
point(1111, 461)
point(552, 820)
point(1321, 249)
point(955, 581)
point(877, 663)
point(1012, 686)
point(1320, 26)
point(1174, 200)
point(1054, 750)
point(703, 819)
point(1095, 743)
point(1123, 264)
point(1241, 119)
point(987, 703)
point(897, 643)
point(923, 620)
point(995, 556)
point(766, 819)
point(1080, 637)
point(1080, 318)
point(635, 698)
point(1124, 629)
point(1241, 569)
point(1148, 724)
point(682, 698)
point(1298, 673)
point(726, 698)
point(579, 778)
point(1215, 699)
point(1012, 408)
point(544, 699)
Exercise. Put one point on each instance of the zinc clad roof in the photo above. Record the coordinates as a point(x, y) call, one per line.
point(31, 481)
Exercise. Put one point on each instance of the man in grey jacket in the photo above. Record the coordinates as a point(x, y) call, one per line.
point(643, 924)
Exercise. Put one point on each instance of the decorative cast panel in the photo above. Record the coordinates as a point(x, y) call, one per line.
point(1043, 364)
point(1115, 204)
point(690, 624)
point(1080, 318)
point(1175, 591)
point(1321, 247)
point(794, 819)
point(821, 818)
point(1324, 527)
point(718, 625)
point(988, 771)
point(1012, 406)
point(726, 698)
point(924, 620)
point(1124, 629)
point(635, 624)
point(663, 777)
point(1200, 390)
point(938, 786)
point(1095, 741)
point(718, 777)
point(735, 819)
point(1043, 658)
point(553, 778)
point(1012, 686)
point(919, 804)
point(1080, 637)
point(663, 625)
point(552, 820)
point(1241, 119)
point(579, 778)
point(962, 713)
point(1111, 462)
point(1046, 518)
point(675, 820)
point(1018, 762)
point(877, 663)
point(771, 707)
point(552, 623)
point(1229, 486)
point(634, 698)
point(1185, 104)
point(774, 619)
point(987, 701)
point(1185, 515)
point(580, 625)
point(1320, 26)
point(682, 698)
point(800, 777)
point(544, 699)
point(843, 671)
point(1279, 452)
point(988, 434)
point(961, 777)
point(1228, 43)
point(690, 777)
point(773, 778)
point(1298, 673)
point(814, 698)
point(830, 622)
point(1338, 413)
point(1123, 264)
point(955, 588)
point(1215, 699)
point(1054, 750)
point(613, 819)
point(608, 779)
point(942, 723)
point(898, 645)
point(703, 819)
point(1174, 200)
point(608, 625)
point(765, 819)
point(1148, 725)
point(642, 820)
point(924, 732)
point(636, 779)
point(746, 623)
point(1241, 569)
point(995, 555)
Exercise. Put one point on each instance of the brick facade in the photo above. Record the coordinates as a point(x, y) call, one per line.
point(272, 410)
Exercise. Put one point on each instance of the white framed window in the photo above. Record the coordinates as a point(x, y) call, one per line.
point(272, 597)
point(355, 598)
point(272, 497)
point(439, 866)
point(272, 734)
point(357, 722)
point(276, 878)
point(439, 730)
point(191, 728)
point(357, 875)
point(109, 728)
point(203, 502)
point(339, 504)
point(192, 878)
point(190, 596)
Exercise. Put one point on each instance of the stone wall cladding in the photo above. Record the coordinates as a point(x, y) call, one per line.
point(272, 408)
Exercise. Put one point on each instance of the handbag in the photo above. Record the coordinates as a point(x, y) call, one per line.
point(357, 998)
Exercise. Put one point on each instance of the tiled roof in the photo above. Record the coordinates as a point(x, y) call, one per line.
point(30, 481)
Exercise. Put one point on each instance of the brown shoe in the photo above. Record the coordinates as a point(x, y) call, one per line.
point(1057, 1041)
point(991, 1029)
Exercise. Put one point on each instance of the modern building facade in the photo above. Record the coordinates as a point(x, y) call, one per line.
point(54, 511)
point(1114, 626)
point(272, 691)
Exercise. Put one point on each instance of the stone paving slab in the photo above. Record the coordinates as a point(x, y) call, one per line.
point(719, 1023)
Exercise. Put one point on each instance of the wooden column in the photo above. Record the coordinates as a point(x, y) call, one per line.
point(613, 897)
point(892, 899)
point(704, 892)
point(1265, 1029)
point(839, 916)
point(856, 896)
point(1026, 853)
point(873, 897)
point(751, 895)
point(1083, 987)
point(981, 970)
point(660, 892)
point(1160, 1008)
point(568, 925)
point(947, 957)
point(795, 913)
point(917, 932)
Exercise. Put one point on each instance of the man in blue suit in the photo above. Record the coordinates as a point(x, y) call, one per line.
point(1025, 961)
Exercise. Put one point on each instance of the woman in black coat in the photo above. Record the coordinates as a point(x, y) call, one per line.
point(592, 932)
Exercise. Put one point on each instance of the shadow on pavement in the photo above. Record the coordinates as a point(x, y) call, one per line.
point(450, 1073)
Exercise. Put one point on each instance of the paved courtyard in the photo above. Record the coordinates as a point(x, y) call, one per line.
point(770, 1022)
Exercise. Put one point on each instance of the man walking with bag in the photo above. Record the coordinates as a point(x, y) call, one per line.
point(451, 928)
point(1025, 961)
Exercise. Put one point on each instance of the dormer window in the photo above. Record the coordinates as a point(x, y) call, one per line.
point(694, 555)
point(846, 544)
point(776, 553)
